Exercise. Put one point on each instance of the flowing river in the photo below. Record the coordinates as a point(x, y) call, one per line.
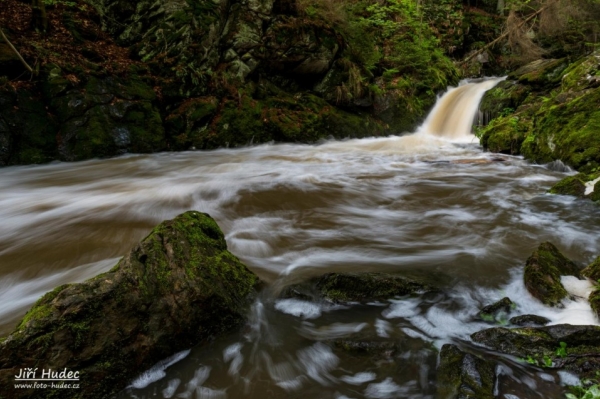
point(431, 204)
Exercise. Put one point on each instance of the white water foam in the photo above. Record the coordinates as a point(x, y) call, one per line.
point(157, 372)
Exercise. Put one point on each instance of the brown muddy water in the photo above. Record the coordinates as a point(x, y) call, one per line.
point(430, 205)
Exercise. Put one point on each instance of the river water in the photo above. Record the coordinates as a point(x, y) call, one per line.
point(429, 204)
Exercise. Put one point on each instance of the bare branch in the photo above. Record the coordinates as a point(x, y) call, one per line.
point(15, 50)
point(502, 36)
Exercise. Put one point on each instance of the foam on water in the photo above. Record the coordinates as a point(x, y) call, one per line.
point(157, 371)
point(431, 203)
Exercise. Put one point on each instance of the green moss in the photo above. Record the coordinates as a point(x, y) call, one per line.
point(594, 300)
point(542, 274)
point(570, 185)
point(463, 375)
point(593, 270)
point(36, 314)
point(349, 287)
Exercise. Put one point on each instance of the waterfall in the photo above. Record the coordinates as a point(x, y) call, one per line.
point(453, 114)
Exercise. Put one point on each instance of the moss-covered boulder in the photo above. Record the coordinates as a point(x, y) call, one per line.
point(529, 320)
point(356, 287)
point(592, 270)
point(463, 375)
point(557, 120)
point(570, 185)
point(541, 72)
point(179, 287)
point(574, 348)
point(594, 300)
point(497, 311)
point(542, 274)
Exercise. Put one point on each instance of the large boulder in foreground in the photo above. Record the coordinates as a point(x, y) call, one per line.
point(542, 274)
point(574, 348)
point(463, 375)
point(177, 288)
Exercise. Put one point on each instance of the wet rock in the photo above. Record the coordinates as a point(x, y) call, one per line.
point(375, 347)
point(463, 375)
point(356, 287)
point(592, 270)
point(574, 348)
point(529, 320)
point(542, 274)
point(497, 311)
point(541, 72)
point(177, 288)
point(570, 185)
point(594, 300)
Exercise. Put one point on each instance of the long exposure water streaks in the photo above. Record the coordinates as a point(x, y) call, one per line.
point(434, 207)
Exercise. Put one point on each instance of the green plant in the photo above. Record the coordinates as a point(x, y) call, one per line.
point(590, 392)
point(561, 351)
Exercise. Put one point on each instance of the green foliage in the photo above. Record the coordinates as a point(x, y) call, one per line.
point(590, 389)
point(561, 351)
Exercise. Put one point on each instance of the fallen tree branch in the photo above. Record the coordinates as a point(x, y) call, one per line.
point(16, 51)
point(502, 36)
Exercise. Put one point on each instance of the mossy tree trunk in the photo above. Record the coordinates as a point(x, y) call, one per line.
point(39, 18)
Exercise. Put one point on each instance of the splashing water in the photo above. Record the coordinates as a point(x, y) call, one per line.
point(429, 204)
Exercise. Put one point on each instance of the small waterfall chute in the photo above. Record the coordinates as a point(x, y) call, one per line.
point(454, 112)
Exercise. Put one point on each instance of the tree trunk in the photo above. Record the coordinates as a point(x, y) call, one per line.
point(39, 18)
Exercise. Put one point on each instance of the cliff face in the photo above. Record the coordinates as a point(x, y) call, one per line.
point(112, 76)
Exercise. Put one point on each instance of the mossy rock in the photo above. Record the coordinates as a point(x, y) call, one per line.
point(529, 320)
point(592, 270)
point(570, 185)
point(366, 345)
point(179, 287)
point(542, 274)
point(541, 72)
point(356, 287)
point(580, 346)
point(503, 99)
point(497, 311)
point(463, 375)
point(594, 300)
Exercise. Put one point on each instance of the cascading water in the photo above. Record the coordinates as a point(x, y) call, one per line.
point(452, 116)
point(419, 204)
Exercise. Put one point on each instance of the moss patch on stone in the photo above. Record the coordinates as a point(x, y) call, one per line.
point(177, 288)
point(580, 345)
point(542, 274)
point(463, 375)
point(594, 300)
point(592, 270)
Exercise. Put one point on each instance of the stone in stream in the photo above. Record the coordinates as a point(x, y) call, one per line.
point(179, 287)
point(356, 287)
point(592, 270)
point(463, 375)
point(594, 300)
point(497, 311)
point(529, 320)
point(542, 274)
point(574, 348)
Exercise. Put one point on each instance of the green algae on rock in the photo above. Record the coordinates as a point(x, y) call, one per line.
point(463, 375)
point(497, 311)
point(356, 287)
point(592, 270)
point(580, 344)
point(529, 320)
point(542, 274)
point(179, 287)
point(594, 300)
